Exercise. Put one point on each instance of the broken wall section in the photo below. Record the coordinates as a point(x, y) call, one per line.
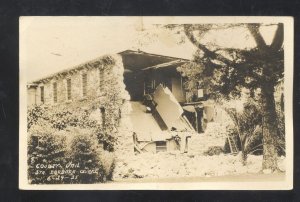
point(170, 110)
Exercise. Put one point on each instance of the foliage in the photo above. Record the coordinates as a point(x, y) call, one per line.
point(248, 126)
point(77, 147)
point(226, 71)
point(84, 151)
point(215, 150)
point(107, 160)
point(84, 135)
point(106, 139)
point(59, 118)
point(227, 81)
point(45, 149)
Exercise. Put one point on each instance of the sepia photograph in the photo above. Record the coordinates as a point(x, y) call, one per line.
point(156, 103)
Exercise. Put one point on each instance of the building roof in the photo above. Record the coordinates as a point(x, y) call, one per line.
point(139, 60)
point(174, 63)
point(132, 61)
point(88, 64)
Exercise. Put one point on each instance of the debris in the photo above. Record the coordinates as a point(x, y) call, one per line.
point(267, 171)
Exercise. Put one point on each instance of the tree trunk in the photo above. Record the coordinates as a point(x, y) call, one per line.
point(244, 156)
point(269, 125)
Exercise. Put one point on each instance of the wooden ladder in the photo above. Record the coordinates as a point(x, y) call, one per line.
point(232, 144)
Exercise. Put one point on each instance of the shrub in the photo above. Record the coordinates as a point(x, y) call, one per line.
point(106, 139)
point(62, 118)
point(34, 114)
point(84, 151)
point(44, 150)
point(76, 147)
point(80, 138)
point(214, 150)
point(107, 160)
point(248, 127)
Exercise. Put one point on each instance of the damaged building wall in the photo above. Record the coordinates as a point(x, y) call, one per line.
point(167, 105)
point(170, 110)
point(104, 89)
point(148, 135)
point(168, 78)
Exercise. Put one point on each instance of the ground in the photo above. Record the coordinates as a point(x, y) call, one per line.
point(255, 177)
point(192, 165)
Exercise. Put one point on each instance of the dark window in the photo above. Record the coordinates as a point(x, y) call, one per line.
point(84, 84)
point(149, 85)
point(69, 89)
point(102, 110)
point(161, 146)
point(55, 92)
point(42, 94)
point(101, 78)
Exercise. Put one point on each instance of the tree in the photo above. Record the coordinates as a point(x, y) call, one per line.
point(226, 71)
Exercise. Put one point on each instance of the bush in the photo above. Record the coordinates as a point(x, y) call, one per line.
point(214, 150)
point(81, 140)
point(84, 152)
point(248, 127)
point(45, 150)
point(59, 117)
point(68, 156)
point(107, 160)
point(106, 139)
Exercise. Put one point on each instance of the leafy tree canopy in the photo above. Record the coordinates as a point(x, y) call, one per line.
point(249, 61)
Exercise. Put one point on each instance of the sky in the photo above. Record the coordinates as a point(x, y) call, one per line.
point(51, 44)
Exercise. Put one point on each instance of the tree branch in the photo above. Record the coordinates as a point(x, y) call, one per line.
point(188, 32)
point(254, 30)
point(278, 38)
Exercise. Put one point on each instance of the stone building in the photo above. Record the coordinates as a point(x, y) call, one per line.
point(97, 81)
point(84, 81)
point(129, 76)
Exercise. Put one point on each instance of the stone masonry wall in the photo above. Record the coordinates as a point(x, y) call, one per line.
point(112, 96)
point(93, 86)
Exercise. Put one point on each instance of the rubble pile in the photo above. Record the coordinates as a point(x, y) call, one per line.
point(164, 165)
point(214, 135)
point(176, 165)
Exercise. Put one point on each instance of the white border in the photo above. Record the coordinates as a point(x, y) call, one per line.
point(287, 184)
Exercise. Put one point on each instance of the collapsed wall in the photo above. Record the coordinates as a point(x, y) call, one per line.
point(118, 108)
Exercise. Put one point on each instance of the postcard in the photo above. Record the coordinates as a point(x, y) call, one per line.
point(156, 103)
